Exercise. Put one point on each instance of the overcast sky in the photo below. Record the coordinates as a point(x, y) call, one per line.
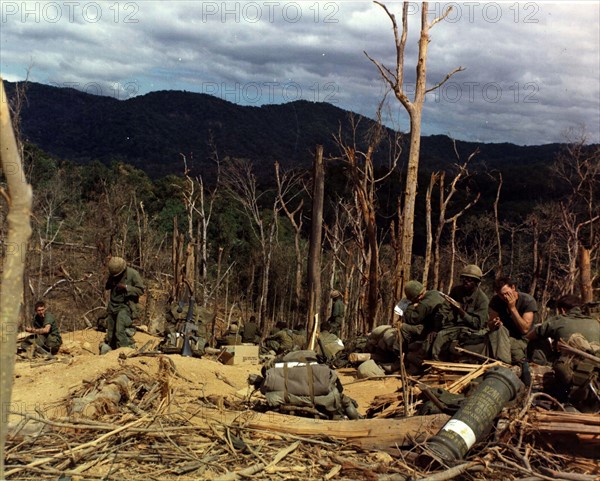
point(532, 69)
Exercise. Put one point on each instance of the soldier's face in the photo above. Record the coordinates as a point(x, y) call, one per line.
point(507, 292)
point(469, 283)
point(40, 311)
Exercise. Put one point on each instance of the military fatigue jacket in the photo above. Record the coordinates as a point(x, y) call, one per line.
point(250, 332)
point(475, 306)
point(564, 326)
point(130, 296)
point(426, 312)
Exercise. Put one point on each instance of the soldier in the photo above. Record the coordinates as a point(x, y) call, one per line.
point(45, 328)
point(281, 341)
point(337, 312)
point(250, 331)
point(232, 336)
point(465, 319)
point(575, 377)
point(126, 286)
point(510, 317)
point(422, 319)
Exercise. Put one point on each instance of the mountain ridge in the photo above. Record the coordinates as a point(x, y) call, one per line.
point(152, 131)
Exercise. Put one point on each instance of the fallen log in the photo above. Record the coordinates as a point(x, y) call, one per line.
point(381, 434)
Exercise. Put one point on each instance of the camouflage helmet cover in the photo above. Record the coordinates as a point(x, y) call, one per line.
point(116, 266)
point(413, 289)
point(472, 270)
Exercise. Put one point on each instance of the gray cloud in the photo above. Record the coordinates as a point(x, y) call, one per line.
point(532, 68)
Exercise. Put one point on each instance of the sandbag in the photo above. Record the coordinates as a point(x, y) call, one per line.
point(369, 369)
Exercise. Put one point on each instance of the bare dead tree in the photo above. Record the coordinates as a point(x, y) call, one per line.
point(240, 183)
point(578, 167)
point(476, 242)
point(435, 177)
point(313, 267)
point(497, 223)
point(288, 190)
point(444, 201)
point(396, 80)
point(206, 198)
point(19, 195)
point(364, 182)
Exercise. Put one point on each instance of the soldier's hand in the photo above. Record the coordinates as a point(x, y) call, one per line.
point(511, 299)
point(494, 324)
point(122, 287)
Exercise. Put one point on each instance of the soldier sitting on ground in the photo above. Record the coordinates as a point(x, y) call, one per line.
point(511, 316)
point(250, 332)
point(232, 336)
point(421, 321)
point(576, 378)
point(45, 328)
point(281, 341)
point(464, 315)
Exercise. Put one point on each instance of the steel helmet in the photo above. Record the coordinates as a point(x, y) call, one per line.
point(413, 289)
point(116, 266)
point(472, 270)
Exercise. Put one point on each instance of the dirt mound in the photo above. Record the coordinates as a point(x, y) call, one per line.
point(42, 384)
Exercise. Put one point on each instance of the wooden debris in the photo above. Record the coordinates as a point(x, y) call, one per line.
point(152, 434)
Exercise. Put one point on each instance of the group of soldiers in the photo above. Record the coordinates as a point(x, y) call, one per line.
point(432, 325)
point(466, 323)
point(125, 285)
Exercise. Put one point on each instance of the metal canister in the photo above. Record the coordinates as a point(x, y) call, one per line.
point(475, 418)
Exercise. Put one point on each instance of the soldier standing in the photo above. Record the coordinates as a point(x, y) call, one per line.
point(126, 286)
point(337, 312)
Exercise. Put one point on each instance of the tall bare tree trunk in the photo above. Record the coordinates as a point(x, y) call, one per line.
point(427, 264)
point(497, 225)
point(536, 257)
point(414, 108)
point(316, 233)
point(585, 274)
point(19, 232)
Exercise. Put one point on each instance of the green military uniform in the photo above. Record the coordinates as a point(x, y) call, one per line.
point(465, 328)
point(281, 341)
point(573, 374)
point(422, 317)
point(51, 341)
point(233, 336)
point(508, 343)
point(250, 333)
point(564, 326)
point(123, 307)
point(337, 316)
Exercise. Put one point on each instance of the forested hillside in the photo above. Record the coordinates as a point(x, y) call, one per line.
point(110, 178)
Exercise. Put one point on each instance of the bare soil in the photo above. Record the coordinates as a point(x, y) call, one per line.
point(42, 385)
